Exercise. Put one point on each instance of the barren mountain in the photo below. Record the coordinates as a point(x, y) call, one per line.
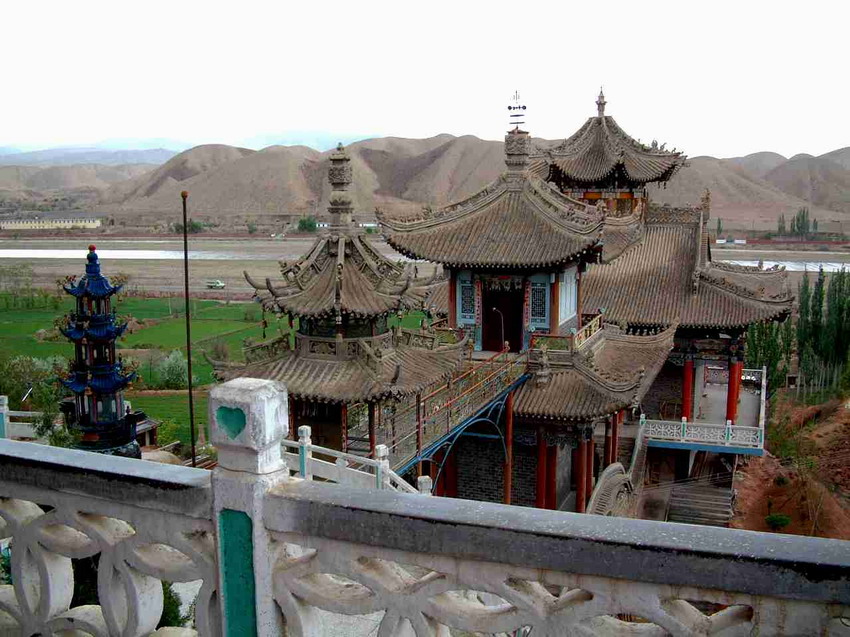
point(735, 193)
point(291, 180)
point(62, 178)
point(758, 164)
point(68, 156)
point(820, 180)
point(840, 156)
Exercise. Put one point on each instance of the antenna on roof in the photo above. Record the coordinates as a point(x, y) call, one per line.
point(517, 112)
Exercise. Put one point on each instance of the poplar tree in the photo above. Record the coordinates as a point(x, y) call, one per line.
point(803, 320)
point(816, 335)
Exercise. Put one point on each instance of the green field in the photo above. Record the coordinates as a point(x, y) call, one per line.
point(173, 411)
point(212, 322)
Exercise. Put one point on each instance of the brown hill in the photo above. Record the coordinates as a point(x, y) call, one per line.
point(735, 193)
point(72, 177)
point(819, 180)
point(290, 180)
point(840, 156)
point(758, 164)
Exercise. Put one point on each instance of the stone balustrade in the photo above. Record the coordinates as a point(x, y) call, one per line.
point(276, 554)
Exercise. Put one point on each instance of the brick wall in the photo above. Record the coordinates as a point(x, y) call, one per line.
point(664, 398)
point(481, 471)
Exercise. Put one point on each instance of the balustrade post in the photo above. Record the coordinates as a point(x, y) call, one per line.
point(4, 415)
point(248, 420)
point(382, 471)
point(305, 452)
point(419, 424)
point(684, 428)
point(424, 485)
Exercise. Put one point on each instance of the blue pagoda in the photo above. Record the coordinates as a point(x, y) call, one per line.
point(96, 378)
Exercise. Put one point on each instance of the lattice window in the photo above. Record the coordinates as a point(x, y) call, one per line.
point(539, 292)
point(467, 301)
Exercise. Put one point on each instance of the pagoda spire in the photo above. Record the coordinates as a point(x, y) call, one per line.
point(97, 378)
point(600, 103)
point(340, 205)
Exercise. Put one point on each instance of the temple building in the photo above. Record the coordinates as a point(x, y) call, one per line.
point(98, 412)
point(514, 254)
point(601, 163)
point(344, 355)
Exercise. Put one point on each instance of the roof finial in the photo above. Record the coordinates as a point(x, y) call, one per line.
point(600, 103)
point(517, 111)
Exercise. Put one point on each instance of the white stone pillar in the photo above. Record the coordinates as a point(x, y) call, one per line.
point(4, 416)
point(248, 420)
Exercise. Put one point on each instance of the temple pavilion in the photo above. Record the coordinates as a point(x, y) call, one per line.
point(515, 254)
point(340, 299)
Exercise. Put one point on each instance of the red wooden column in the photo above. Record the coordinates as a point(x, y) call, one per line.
point(616, 419)
point(555, 305)
point(688, 388)
point(450, 471)
point(589, 467)
point(452, 298)
point(733, 389)
point(509, 447)
point(540, 501)
point(552, 477)
point(608, 455)
point(581, 474)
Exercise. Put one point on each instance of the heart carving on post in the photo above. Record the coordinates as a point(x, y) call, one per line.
point(231, 420)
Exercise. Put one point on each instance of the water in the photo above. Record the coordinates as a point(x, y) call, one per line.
point(143, 255)
point(796, 266)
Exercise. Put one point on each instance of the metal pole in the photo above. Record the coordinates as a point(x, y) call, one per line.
point(185, 196)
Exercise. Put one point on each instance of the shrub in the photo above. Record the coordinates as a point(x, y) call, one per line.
point(252, 227)
point(307, 224)
point(173, 371)
point(780, 481)
point(777, 521)
point(220, 351)
point(251, 314)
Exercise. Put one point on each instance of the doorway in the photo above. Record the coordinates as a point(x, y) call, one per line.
point(502, 319)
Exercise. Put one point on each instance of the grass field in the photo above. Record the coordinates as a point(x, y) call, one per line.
point(212, 322)
point(173, 411)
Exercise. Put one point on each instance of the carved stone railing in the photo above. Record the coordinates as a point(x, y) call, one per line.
point(15, 423)
point(280, 555)
point(617, 486)
point(573, 341)
point(727, 435)
point(146, 522)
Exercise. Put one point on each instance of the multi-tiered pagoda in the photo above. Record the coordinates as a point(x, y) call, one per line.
point(344, 353)
point(97, 378)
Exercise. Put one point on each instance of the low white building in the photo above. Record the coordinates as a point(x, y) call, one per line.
point(49, 224)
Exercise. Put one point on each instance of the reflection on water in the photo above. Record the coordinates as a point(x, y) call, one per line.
point(796, 266)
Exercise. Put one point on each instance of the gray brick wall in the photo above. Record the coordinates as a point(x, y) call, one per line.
point(664, 398)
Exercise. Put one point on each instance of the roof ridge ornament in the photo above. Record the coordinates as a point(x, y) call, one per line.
point(340, 176)
point(600, 103)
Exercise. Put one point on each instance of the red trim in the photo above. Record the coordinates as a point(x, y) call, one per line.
point(688, 389)
point(581, 473)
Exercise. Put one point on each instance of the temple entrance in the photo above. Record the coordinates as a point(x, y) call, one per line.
point(502, 319)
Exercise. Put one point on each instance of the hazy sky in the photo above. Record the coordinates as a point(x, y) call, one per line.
point(716, 78)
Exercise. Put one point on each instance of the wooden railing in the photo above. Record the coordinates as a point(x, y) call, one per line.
point(573, 341)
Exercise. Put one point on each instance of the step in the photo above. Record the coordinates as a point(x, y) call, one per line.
point(676, 514)
point(717, 523)
point(692, 501)
point(708, 510)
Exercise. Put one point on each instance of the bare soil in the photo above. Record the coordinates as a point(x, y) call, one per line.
point(816, 500)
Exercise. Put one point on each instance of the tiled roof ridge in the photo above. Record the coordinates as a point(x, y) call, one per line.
point(747, 293)
point(575, 216)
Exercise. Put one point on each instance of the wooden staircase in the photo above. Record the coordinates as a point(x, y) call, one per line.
point(701, 502)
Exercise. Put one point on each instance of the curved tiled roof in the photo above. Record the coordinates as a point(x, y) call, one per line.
point(669, 276)
point(516, 221)
point(600, 147)
point(341, 274)
point(403, 370)
point(614, 373)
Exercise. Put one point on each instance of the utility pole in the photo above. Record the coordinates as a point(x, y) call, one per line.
point(185, 196)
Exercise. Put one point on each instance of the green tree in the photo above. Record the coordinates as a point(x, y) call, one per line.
point(816, 314)
point(173, 371)
point(252, 227)
point(307, 224)
point(804, 318)
point(781, 225)
point(719, 227)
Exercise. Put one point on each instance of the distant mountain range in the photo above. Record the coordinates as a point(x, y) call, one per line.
point(231, 184)
point(70, 156)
